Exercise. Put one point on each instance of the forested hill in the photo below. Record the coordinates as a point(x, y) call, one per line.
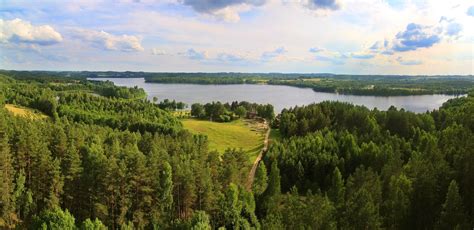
point(106, 157)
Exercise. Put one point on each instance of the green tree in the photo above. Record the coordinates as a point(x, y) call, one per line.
point(241, 111)
point(197, 110)
point(23, 197)
point(7, 199)
point(363, 197)
point(166, 193)
point(71, 167)
point(231, 207)
point(96, 224)
point(55, 219)
point(337, 190)
point(453, 215)
point(200, 221)
point(260, 182)
point(271, 196)
point(397, 203)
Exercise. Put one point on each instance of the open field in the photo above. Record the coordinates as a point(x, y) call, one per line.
point(25, 112)
point(245, 134)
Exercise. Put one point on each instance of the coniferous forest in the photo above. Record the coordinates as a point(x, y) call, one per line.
point(107, 158)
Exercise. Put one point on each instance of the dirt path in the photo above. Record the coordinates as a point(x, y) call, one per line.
point(251, 175)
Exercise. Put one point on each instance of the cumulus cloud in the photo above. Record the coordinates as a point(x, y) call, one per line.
point(402, 61)
point(269, 55)
point(322, 4)
point(17, 31)
point(106, 41)
point(227, 10)
point(416, 36)
point(470, 11)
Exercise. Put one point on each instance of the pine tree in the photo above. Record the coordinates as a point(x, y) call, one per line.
point(453, 215)
point(88, 224)
point(231, 207)
point(7, 200)
point(336, 191)
point(397, 203)
point(71, 169)
point(261, 180)
point(271, 196)
point(23, 197)
point(58, 144)
point(200, 221)
point(166, 193)
point(274, 187)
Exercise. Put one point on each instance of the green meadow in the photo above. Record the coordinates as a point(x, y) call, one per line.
point(245, 134)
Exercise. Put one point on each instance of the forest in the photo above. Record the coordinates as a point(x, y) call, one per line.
point(108, 158)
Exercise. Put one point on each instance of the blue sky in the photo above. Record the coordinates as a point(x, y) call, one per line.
point(337, 36)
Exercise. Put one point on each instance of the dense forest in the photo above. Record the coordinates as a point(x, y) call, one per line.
point(108, 158)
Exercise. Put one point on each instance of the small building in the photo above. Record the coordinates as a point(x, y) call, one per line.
point(251, 115)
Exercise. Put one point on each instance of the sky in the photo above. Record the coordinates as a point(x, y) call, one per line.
point(416, 37)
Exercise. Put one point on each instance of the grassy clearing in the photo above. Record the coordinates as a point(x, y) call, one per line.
point(245, 134)
point(25, 112)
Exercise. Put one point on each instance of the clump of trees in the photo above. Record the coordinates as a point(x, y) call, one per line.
point(216, 111)
point(171, 105)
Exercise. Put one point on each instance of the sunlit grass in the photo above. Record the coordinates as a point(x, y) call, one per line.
point(25, 112)
point(245, 134)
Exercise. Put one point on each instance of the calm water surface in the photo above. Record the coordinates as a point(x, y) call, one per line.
point(279, 96)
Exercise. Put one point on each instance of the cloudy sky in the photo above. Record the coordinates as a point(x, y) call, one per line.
point(337, 36)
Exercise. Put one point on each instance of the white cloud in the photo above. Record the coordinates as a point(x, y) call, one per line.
point(104, 40)
point(18, 31)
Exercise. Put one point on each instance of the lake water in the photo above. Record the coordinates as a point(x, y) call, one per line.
point(277, 95)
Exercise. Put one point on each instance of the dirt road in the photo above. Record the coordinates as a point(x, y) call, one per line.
point(251, 175)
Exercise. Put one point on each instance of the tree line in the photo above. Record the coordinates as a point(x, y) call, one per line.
point(217, 111)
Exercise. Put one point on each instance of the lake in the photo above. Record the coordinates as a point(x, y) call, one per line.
point(277, 95)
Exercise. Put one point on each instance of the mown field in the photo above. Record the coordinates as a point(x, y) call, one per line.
point(25, 112)
point(245, 134)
